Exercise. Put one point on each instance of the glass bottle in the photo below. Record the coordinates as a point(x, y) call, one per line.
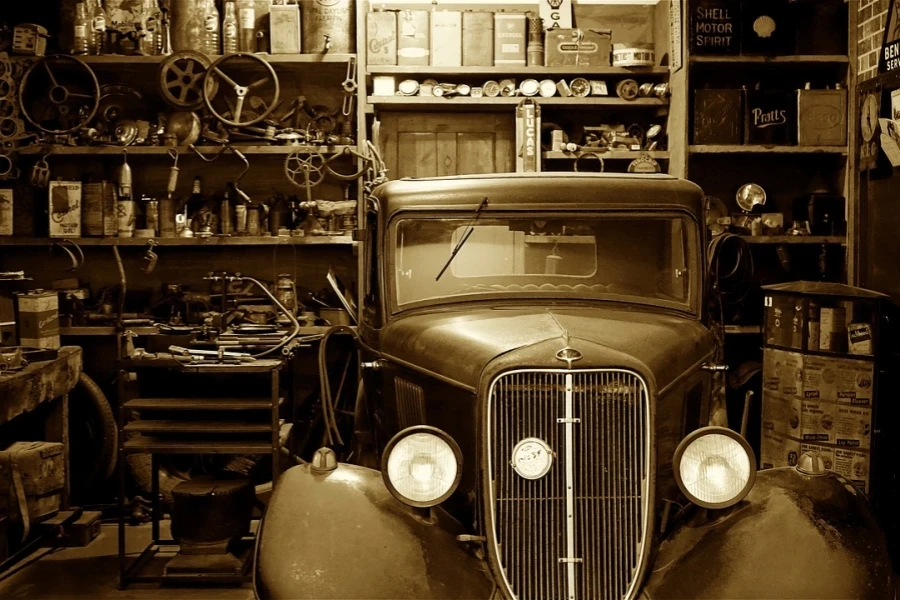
point(81, 38)
point(247, 26)
point(99, 23)
point(229, 29)
point(210, 44)
point(151, 21)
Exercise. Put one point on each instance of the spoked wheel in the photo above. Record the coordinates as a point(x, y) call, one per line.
point(59, 94)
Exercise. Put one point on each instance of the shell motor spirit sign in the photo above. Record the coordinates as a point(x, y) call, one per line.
point(890, 47)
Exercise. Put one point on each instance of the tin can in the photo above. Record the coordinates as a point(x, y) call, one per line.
point(126, 212)
point(167, 218)
point(187, 25)
point(152, 213)
point(65, 208)
point(92, 210)
point(39, 319)
point(240, 218)
point(110, 212)
point(253, 221)
point(328, 26)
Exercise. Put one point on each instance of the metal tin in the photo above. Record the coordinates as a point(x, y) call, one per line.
point(580, 87)
point(381, 38)
point(6, 212)
point(478, 39)
point(328, 26)
point(491, 89)
point(547, 88)
point(167, 218)
point(446, 38)
point(634, 55)
point(408, 87)
point(110, 210)
point(92, 209)
point(39, 319)
point(187, 28)
point(529, 87)
point(65, 208)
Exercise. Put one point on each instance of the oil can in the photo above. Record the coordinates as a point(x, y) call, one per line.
point(39, 319)
point(328, 26)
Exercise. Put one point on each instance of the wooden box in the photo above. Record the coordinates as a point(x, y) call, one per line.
point(822, 117)
point(578, 47)
point(42, 474)
point(284, 23)
point(478, 39)
point(446, 38)
point(65, 209)
point(768, 27)
point(381, 38)
point(715, 27)
point(718, 116)
point(509, 39)
point(770, 118)
point(413, 37)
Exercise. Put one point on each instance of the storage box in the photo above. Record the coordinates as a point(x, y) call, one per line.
point(284, 20)
point(578, 47)
point(413, 37)
point(477, 39)
point(509, 39)
point(381, 38)
point(718, 116)
point(768, 27)
point(770, 118)
point(715, 27)
point(859, 338)
point(65, 208)
point(446, 38)
point(832, 329)
point(38, 319)
point(41, 470)
point(6, 212)
point(822, 117)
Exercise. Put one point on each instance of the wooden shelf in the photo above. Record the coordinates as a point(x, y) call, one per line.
point(167, 426)
point(318, 240)
point(795, 239)
point(184, 152)
point(121, 60)
point(501, 72)
point(612, 155)
point(743, 329)
point(105, 330)
point(795, 59)
point(760, 149)
point(163, 446)
point(199, 404)
point(500, 103)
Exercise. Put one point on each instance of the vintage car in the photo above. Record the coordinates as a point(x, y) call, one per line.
point(537, 365)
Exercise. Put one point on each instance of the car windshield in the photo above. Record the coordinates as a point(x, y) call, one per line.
point(634, 258)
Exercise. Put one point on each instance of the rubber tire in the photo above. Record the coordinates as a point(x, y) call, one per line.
point(105, 465)
point(140, 467)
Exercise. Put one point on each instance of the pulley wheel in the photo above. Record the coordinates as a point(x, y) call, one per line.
point(628, 89)
point(68, 99)
point(181, 76)
point(237, 95)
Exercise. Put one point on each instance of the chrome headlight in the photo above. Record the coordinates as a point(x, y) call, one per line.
point(421, 466)
point(714, 467)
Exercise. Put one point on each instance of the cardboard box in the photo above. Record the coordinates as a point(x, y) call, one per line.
point(715, 27)
point(284, 20)
point(845, 381)
point(42, 467)
point(859, 338)
point(6, 212)
point(822, 117)
point(413, 37)
point(38, 319)
point(65, 208)
point(578, 47)
point(770, 117)
point(853, 465)
point(446, 38)
point(478, 39)
point(509, 39)
point(381, 38)
point(833, 329)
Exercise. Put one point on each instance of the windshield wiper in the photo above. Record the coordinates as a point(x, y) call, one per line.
point(469, 231)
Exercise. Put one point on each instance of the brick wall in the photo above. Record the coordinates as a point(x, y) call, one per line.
point(870, 30)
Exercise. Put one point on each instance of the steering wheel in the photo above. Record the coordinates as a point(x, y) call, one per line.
point(66, 106)
point(241, 92)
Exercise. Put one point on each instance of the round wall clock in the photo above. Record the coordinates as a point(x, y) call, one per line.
point(869, 117)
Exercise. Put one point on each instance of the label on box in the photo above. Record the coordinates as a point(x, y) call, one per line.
point(446, 38)
point(817, 421)
point(853, 427)
point(771, 117)
point(6, 212)
point(778, 450)
point(509, 39)
point(822, 117)
point(65, 208)
point(381, 38)
point(556, 14)
point(284, 24)
point(859, 336)
point(413, 37)
point(783, 372)
point(578, 47)
point(854, 465)
point(715, 27)
point(842, 380)
point(39, 320)
point(781, 414)
point(478, 39)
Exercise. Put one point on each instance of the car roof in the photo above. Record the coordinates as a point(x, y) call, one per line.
point(542, 191)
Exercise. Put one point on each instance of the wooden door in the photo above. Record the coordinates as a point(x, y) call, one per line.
point(432, 145)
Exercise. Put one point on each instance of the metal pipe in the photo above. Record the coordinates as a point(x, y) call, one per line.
point(746, 416)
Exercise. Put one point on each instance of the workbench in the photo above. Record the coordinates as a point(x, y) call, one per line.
point(43, 382)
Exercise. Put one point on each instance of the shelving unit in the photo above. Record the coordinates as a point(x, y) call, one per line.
point(513, 70)
point(759, 149)
point(324, 240)
point(184, 152)
point(419, 102)
point(122, 60)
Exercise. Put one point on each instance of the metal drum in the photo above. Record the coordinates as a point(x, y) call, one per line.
point(328, 26)
point(187, 25)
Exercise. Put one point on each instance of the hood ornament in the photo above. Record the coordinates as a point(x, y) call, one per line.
point(569, 355)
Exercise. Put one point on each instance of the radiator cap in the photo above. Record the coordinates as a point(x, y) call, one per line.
point(323, 461)
point(811, 463)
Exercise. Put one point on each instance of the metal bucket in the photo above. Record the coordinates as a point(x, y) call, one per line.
point(187, 25)
point(332, 18)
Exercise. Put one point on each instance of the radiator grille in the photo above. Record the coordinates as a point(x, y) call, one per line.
point(410, 403)
point(610, 460)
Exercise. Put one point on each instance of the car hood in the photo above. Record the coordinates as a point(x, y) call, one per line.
point(459, 344)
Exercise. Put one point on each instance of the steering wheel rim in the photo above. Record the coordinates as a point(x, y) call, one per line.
point(43, 62)
point(239, 91)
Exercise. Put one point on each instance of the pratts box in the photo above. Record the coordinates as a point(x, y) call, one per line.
point(578, 47)
point(478, 39)
point(770, 118)
point(65, 208)
point(413, 37)
point(822, 117)
point(718, 116)
point(509, 39)
point(381, 38)
point(715, 27)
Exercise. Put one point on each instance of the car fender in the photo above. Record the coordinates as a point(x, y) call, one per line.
point(341, 534)
point(793, 537)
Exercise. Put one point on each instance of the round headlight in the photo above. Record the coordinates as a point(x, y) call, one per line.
point(715, 467)
point(421, 466)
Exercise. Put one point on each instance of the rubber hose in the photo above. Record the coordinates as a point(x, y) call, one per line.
point(106, 462)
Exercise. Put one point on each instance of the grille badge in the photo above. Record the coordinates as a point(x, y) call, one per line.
point(569, 355)
point(532, 458)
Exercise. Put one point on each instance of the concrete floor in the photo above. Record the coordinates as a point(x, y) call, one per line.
point(92, 573)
